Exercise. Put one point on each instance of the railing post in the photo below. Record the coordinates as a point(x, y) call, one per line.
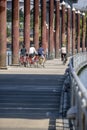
point(73, 31)
point(83, 32)
point(8, 58)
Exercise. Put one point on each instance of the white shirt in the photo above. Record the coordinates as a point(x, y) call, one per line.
point(32, 50)
point(63, 50)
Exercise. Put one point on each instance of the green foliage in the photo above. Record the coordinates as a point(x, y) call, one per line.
point(31, 21)
point(21, 14)
point(8, 32)
point(86, 14)
point(9, 15)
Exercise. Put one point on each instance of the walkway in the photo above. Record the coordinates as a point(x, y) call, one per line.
point(51, 67)
point(30, 98)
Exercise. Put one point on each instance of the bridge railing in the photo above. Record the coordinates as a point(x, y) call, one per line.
point(79, 60)
point(79, 92)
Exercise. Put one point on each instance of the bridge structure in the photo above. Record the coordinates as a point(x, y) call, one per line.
point(24, 96)
point(49, 98)
point(54, 23)
point(32, 98)
point(78, 112)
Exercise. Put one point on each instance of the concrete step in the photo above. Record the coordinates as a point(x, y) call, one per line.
point(30, 97)
point(26, 102)
point(30, 83)
point(21, 124)
point(21, 100)
point(20, 89)
point(27, 124)
point(39, 91)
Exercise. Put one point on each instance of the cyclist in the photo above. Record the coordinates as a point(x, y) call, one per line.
point(23, 55)
point(32, 51)
point(63, 53)
point(41, 53)
point(23, 51)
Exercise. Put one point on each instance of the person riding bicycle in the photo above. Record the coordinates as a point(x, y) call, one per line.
point(23, 51)
point(32, 51)
point(63, 52)
point(41, 53)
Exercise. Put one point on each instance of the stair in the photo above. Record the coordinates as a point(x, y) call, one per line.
point(30, 102)
point(39, 102)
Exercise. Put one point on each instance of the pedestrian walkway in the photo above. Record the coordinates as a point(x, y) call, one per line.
point(30, 98)
point(51, 67)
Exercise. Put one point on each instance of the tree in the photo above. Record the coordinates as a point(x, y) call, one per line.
point(9, 15)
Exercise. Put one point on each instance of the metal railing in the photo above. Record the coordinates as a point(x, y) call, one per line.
point(79, 60)
point(79, 92)
point(8, 59)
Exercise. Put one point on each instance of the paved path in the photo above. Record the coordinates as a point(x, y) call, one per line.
point(51, 67)
point(30, 97)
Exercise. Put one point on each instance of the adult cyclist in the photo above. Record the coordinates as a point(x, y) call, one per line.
point(32, 52)
point(63, 54)
point(23, 51)
point(41, 52)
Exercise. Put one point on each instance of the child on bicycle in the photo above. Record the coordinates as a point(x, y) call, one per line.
point(23, 53)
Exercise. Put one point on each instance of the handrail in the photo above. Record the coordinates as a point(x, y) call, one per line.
point(74, 64)
point(79, 59)
point(78, 108)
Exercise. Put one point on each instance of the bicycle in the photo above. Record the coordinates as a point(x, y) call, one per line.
point(33, 60)
point(64, 59)
point(23, 61)
point(41, 61)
